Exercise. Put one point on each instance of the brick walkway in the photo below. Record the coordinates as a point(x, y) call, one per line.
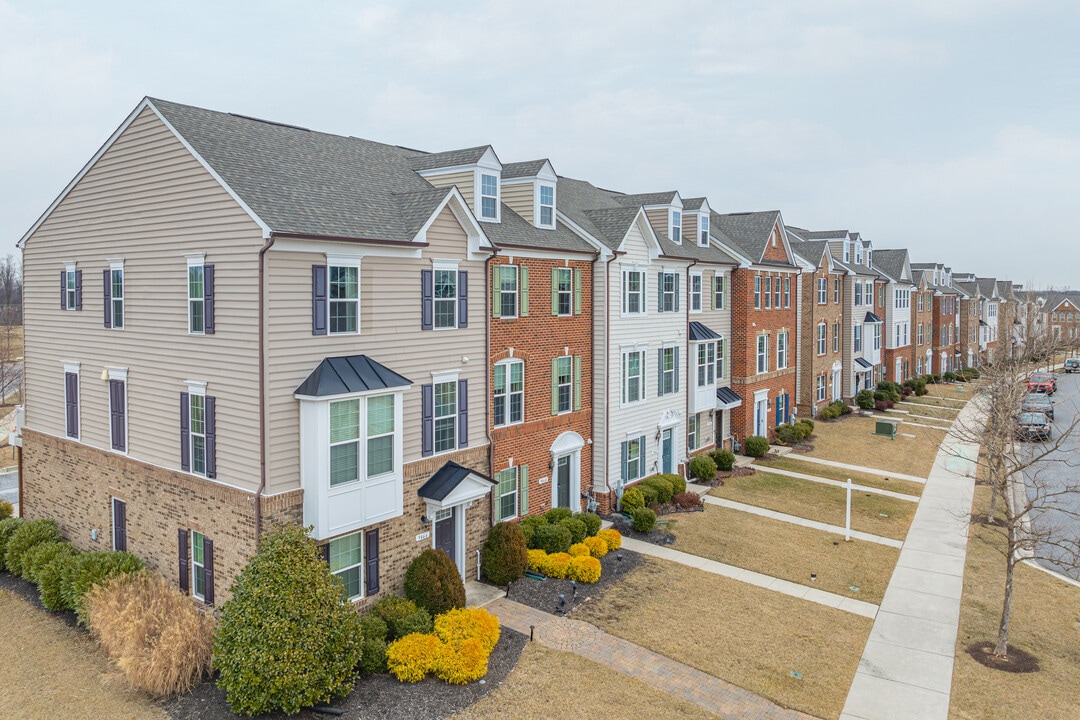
point(663, 673)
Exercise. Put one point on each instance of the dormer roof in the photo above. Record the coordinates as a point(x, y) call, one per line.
point(749, 232)
point(452, 158)
point(528, 169)
point(671, 197)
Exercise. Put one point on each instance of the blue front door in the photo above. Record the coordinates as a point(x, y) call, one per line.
point(667, 456)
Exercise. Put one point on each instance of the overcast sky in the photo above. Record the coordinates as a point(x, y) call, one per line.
point(949, 127)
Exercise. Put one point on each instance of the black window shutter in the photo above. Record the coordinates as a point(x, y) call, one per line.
point(463, 298)
point(119, 508)
point(185, 433)
point(427, 300)
point(185, 573)
point(660, 292)
point(106, 284)
point(427, 397)
point(676, 365)
point(318, 299)
point(677, 293)
point(208, 570)
point(371, 559)
point(211, 436)
point(463, 413)
point(71, 382)
point(63, 289)
point(78, 289)
point(208, 299)
point(117, 415)
point(324, 553)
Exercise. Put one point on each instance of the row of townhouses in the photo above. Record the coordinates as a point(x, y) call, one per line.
point(407, 347)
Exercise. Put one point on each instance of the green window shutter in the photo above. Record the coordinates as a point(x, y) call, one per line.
point(555, 386)
point(625, 445)
point(577, 291)
point(496, 279)
point(523, 491)
point(523, 292)
point(660, 372)
point(496, 500)
point(555, 291)
point(577, 382)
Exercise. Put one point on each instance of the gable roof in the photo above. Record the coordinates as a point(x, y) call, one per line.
point(660, 198)
point(892, 263)
point(515, 232)
point(446, 479)
point(451, 158)
point(987, 287)
point(812, 251)
point(528, 168)
point(747, 232)
point(350, 374)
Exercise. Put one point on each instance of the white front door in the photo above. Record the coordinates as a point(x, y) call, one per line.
point(836, 385)
point(761, 413)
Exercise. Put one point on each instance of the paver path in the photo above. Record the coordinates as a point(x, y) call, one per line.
point(906, 667)
point(675, 678)
point(796, 520)
point(861, 468)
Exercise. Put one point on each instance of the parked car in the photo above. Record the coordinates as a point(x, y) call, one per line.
point(1072, 365)
point(1033, 426)
point(1042, 382)
point(1038, 402)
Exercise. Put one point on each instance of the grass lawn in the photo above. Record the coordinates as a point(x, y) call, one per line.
point(81, 682)
point(852, 440)
point(928, 410)
point(883, 482)
point(824, 503)
point(1045, 623)
point(746, 635)
point(787, 551)
point(941, 390)
point(552, 685)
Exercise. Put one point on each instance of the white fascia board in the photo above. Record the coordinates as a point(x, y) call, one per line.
point(479, 245)
point(605, 251)
point(489, 160)
point(542, 254)
point(647, 232)
point(359, 250)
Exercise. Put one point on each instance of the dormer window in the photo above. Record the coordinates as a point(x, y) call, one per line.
point(547, 206)
point(489, 197)
point(703, 230)
point(847, 251)
point(870, 258)
point(858, 253)
point(676, 226)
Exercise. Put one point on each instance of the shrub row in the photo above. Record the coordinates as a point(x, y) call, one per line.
point(457, 651)
point(794, 433)
point(582, 568)
point(557, 529)
point(503, 558)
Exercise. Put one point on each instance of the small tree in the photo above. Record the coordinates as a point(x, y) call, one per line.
point(288, 637)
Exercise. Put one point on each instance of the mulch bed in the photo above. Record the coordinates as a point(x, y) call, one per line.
point(736, 471)
point(544, 594)
point(1017, 661)
point(657, 536)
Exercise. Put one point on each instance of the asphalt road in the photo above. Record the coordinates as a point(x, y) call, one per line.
point(1051, 480)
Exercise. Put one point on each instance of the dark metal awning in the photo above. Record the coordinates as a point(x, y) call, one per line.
point(455, 483)
point(699, 332)
point(863, 363)
point(982, 323)
point(352, 374)
point(872, 318)
point(726, 398)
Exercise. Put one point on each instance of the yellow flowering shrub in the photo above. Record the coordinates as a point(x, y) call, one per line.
point(612, 537)
point(537, 560)
point(584, 568)
point(411, 658)
point(597, 546)
point(456, 626)
point(556, 565)
point(462, 663)
point(580, 548)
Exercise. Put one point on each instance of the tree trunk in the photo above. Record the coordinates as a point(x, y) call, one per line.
point(1002, 646)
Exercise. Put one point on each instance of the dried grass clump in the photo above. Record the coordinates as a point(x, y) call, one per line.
point(155, 634)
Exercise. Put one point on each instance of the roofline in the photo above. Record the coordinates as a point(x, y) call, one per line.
point(344, 238)
point(583, 233)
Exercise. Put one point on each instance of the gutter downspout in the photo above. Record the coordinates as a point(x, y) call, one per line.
point(262, 387)
point(487, 389)
point(686, 465)
point(607, 359)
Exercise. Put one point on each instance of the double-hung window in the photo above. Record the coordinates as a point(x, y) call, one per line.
point(858, 293)
point(669, 292)
point(706, 364)
point(562, 291)
point(763, 353)
point(692, 428)
point(718, 292)
point(509, 382)
point(836, 337)
point(71, 288)
point(877, 336)
point(370, 420)
point(489, 197)
point(346, 561)
point(703, 230)
point(633, 459)
point(446, 416)
point(506, 500)
point(822, 291)
point(669, 370)
point(787, 292)
point(344, 441)
point(633, 302)
point(820, 388)
point(781, 350)
point(547, 206)
point(633, 376)
point(198, 564)
point(506, 288)
point(757, 292)
point(768, 291)
point(820, 339)
point(197, 416)
point(720, 359)
point(836, 290)
point(113, 283)
point(562, 384)
point(196, 299)
point(71, 399)
point(676, 226)
point(446, 296)
point(856, 338)
point(380, 435)
point(695, 293)
point(344, 299)
point(920, 334)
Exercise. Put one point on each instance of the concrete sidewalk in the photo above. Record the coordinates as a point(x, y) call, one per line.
point(906, 668)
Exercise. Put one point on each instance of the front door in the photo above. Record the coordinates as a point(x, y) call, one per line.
point(836, 385)
point(761, 410)
point(445, 535)
point(667, 447)
point(562, 481)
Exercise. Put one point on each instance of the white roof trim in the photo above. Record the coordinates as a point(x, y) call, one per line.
point(584, 234)
point(478, 241)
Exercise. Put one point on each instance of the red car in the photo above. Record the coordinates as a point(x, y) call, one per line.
point(1041, 382)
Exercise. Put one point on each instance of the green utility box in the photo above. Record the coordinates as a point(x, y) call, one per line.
point(886, 428)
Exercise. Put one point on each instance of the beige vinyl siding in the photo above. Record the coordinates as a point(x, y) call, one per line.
point(147, 201)
point(519, 197)
point(465, 184)
point(659, 221)
point(389, 333)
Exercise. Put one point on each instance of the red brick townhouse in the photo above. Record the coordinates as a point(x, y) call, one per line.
point(893, 264)
point(968, 290)
point(1061, 318)
point(945, 337)
point(541, 356)
point(922, 323)
point(1008, 321)
point(822, 322)
point(264, 345)
point(764, 322)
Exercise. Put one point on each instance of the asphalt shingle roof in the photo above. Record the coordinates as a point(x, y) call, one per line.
point(660, 198)
point(522, 169)
point(891, 262)
point(450, 158)
point(748, 232)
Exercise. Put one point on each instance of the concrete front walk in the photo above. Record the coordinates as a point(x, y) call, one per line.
point(663, 673)
point(837, 483)
point(906, 667)
point(860, 468)
point(768, 582)
point(795, 520)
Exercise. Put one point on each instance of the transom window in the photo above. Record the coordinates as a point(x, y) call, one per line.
point(634, 291)
point(489, 197)
point(509, 382)
point(445, 416)
point(676, 226)
point(346, 560)
point(508, 291)
point(197, 410)
point(196, 300)
point(116, 276)
point(706, 364)
point(344, 297)
point(564, 384)
point(633, 386)
point(507, 493)
point(446, 298)
point(763, 353)
point(695, 293)
point(547, 205)
point(669, 370)
point(198, 564)
point(564, 290)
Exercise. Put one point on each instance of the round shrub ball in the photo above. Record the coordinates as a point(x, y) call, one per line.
point(461, 663)
point(41, 555)
point(678, 482)
point(577, 529)
point(865, 399)
point(529, 525)
point(756, 446)
point(504, 555)
point(537, 558)
point(644, 520)
point(468, 624)
point(592, 522)
point(434, 583)
point(557, 514)
point(650, 493)
point(552, 538)
point(578, 549)
point(597, 546)
point(25, 538)
point(725, 459)
point(392, 609)
point(287, 638)
point(612, 537)
point(418, 622)
point(375, 630)
point(556, 564)
point(663, 487)
point(584, 569)
point(632, 499)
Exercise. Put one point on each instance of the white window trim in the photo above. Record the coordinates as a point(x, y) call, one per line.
point(761, 353)
point(70, 268)
point(347, 261)
point(624, 378)
point(479, 185)
point(822, 338)
point(498, 495)
point(822, 291)
point(634, 438)
point(195, 260)
point(675, 225)
point(820, 388)
point(360, 565)
point(782, 347)
point(117, 264)
point(507, 363)
point(196, 387)
point(700, 292)
point(674, 291)
point(517, 292)
point(570, 361)
point(570, 301)
point(538, 209)
point(674, 368)
point(118, 373)
point(439, 378)
point(699, 365)
point(436, 266)
point(625, 293)
point(704, 225)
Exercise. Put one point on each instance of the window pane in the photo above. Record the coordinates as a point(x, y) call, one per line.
point(198, 454)
point(197, 547)
point(508, 505)
point(515, 407)
point(487, 207)
point(445, 399)
point(345, 552)
point(488, 184)
point(196, 315)
point(118, 283)
point(118, 313)
point(380, 415)
point(445, 434)
point(546, 217)
point(195, 282)
point(380, 457)
point(198, 413)
point(547, 195)
point(343, 463)
point(517, 373)
point(344, 420)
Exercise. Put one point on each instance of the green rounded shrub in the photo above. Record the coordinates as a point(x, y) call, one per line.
point(725, 459)
point(53, 578)
point(650, 493)
point(374, 631)
point(787, 434)
point(287, 639)
point(551, 539)
point(434, 583)
point(95, 568)
point(678, 483)
point(592, 522)
point(756, 446)
point(557, 514)
point(505, 554)
point(8, 526)
point(529, 524)
point(805, 428)
point(702, 468)
point(865, 399)
point(577, 528)
point(6, 509)
point(419, 622)
point(41, 555)
point(25, 538)
point(632, 499)
point(400, 616)
point(809, 424)
point(644, 520)
point(829, 412)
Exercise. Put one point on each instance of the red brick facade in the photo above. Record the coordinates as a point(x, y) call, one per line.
point(944, 318)
point(814, 364)
point(922, 330)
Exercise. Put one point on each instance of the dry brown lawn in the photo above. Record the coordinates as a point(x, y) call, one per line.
point(552, 685)
point(1045, 623)
point(852, 440)
point(787, 551)
point(746, 635)
point(872, 513)
point(942, 390)
point(884, 482)
point(79, 681)
point(931, 411)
